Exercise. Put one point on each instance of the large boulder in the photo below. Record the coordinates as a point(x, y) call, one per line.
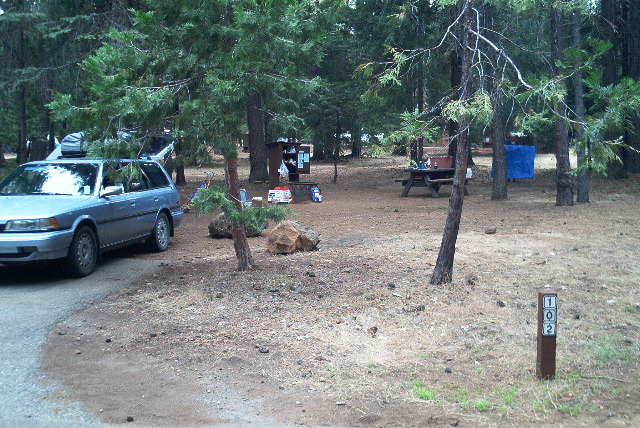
point(290, 236)
point(221, 228)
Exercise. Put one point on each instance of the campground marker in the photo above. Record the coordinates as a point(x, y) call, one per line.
point(547, 328)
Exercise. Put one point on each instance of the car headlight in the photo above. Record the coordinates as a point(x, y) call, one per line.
point(32, 225)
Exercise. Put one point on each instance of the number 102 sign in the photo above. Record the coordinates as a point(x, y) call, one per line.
point(549, 314)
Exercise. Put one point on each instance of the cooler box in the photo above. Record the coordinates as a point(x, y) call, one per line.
point(441, 161)
point(279, 195)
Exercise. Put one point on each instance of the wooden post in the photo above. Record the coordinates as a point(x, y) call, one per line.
point(547, 328)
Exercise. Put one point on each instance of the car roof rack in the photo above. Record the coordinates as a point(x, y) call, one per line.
point(71, 147)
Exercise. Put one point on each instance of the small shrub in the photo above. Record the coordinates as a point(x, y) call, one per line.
point(569, 409)
point(481, 405)
point(422, 392)
point(507, 396)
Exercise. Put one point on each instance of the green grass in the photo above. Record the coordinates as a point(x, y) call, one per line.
point(331, 372)
point(422, 392)
point(569, 409)
point(540, 405)
point(481, 405)
point(606, 351)
point(460, 394)
point(506, 395)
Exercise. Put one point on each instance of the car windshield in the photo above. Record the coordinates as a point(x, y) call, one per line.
point(75, 179)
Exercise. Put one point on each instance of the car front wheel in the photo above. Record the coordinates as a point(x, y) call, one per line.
point(83, 253)
point(159, 239)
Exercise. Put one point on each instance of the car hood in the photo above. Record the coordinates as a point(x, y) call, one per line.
point(38, 206)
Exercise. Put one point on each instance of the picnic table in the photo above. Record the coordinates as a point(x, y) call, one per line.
point(431, 178)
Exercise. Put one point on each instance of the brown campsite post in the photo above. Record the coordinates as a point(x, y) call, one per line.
point(547, 328)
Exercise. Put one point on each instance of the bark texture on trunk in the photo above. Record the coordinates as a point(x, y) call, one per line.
point(257, 145)
point(456, 82)
point(578, 93)
point(564, 181)
point(177, 160)
point(22, 154)
point(443, 271)
point(609, 24)
point(498, 124)
point(336, 148)
point(181, 178)
point(240, 242)
point(631, 68)
point(499, 189)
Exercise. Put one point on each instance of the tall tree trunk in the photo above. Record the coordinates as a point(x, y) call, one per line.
point(51, 143)
point(420, 106)
point(181, 178)
point(578, 93)
point(238, 232)
point(23, 152)
point(498, 138)
point(443, 271)
point(3, 160)
point(21, 94)
point(607, 30)
point(456, 80)
point(336, 148)
point(498, 126)
point(356, 141)
point(631, 68)
point(319, 149)
point(611, 62)
point(120, 14)
point(257, 146)
point(564, 182)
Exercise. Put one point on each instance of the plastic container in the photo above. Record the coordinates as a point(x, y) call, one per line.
point(441, 161)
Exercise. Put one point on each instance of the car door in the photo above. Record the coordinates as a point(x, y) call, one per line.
point(120, 223)
point(146, 206)
point(161, 187)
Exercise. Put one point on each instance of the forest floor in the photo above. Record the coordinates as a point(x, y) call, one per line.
point(353, 334)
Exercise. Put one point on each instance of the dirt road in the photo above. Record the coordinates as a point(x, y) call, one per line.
point(32, 301)
point(355, 334)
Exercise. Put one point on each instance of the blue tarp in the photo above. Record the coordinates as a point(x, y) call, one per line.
point(520, 161)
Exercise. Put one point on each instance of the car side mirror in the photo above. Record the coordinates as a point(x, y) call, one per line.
point(111, 191)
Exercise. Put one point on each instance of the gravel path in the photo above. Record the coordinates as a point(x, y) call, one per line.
point(32, 300)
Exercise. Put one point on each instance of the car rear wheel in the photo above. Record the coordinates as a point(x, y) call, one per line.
point(159, 239)
point(83, 253)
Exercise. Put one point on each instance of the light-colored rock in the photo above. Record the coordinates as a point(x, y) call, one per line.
point(290, 236)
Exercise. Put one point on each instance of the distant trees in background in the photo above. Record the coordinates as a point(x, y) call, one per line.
point(212, 72)
point(321, 71)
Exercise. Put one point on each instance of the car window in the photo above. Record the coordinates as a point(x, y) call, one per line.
point(136, 185)
point(73, 179)
point(155, 174)
point(114, 175)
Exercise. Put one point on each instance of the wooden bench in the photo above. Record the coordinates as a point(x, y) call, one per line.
point(432, 184)
point(441, 180)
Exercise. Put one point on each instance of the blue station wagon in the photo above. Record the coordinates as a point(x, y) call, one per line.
point(72, 209)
